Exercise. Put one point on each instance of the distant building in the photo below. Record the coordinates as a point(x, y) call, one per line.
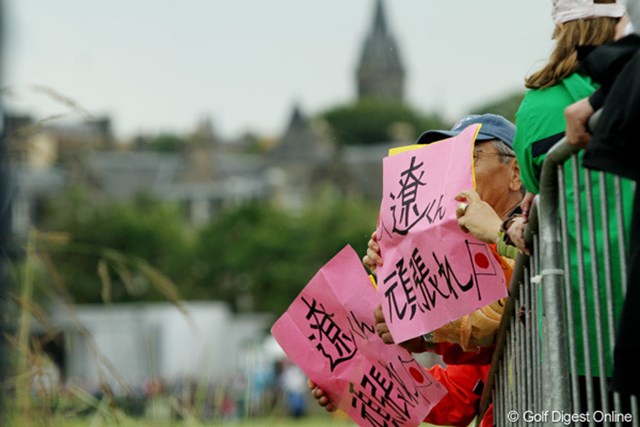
point(300, 165)
point(207, 174)
point(223, 180)
point(380, 73)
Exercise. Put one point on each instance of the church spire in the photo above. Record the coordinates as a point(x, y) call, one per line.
point(300, 140)
point(379, 20)
point(380, 74)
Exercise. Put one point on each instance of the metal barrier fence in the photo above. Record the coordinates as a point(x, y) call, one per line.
point(550, 351)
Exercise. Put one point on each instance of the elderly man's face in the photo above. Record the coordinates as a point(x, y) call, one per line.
point(493, 177)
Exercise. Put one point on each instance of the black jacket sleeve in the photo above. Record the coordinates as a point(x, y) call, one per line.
point(617, 67)
point(605, 62)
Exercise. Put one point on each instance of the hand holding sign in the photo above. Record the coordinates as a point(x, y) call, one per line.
point(433, 272)
point(478, 217)
point(328, 332)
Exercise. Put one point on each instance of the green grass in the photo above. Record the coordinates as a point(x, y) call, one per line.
point(310, 421)
point(313, 420)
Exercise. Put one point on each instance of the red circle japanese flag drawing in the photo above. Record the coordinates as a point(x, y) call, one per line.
point(433, 272)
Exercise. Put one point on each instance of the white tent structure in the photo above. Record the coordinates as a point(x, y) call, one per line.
point(126, 345)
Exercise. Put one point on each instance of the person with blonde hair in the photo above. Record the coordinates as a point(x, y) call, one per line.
point(559, 83)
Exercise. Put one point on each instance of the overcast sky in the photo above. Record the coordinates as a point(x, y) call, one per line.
point(163, 65)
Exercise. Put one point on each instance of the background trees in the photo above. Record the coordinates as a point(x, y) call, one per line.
point(372, 121)
point(256, 257)
point(505, 106)
point(113, 251)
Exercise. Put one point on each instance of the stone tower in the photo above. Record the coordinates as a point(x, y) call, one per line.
point(380, 73)
point(300, 164)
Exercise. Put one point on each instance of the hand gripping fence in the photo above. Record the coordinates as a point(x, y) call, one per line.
point(556, 338)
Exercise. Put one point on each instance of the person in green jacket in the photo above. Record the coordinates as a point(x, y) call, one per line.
point(540, 124)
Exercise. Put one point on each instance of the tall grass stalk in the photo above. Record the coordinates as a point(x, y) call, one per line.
point(34, 404)
point(23, 379)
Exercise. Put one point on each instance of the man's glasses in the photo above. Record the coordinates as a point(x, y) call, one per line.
point(476, 154)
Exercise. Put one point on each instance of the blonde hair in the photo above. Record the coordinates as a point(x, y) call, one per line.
point(564, 58)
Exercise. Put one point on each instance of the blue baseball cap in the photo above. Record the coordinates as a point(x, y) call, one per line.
point(493, 127)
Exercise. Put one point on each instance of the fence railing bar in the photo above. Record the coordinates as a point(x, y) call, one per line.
point(496, 397)
point(608, 274)
point(595, 286)
point(622, 232)
point(513, 371)
point(529, 343)
point(501, 336)
point(556, 394)
point(536, 310)
point(521, 359)
point(607, 258)
point(582, 293)
point(571, 326)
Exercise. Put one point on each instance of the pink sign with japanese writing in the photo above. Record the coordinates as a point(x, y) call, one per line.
point(329, 332)
point(433, 272)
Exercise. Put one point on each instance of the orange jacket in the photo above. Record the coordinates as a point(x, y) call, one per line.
point(459, 406)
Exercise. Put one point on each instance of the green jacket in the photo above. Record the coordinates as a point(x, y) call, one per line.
point(540, 124)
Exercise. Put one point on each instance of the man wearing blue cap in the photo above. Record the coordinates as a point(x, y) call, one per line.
point(493, 127)
point(497, 196)
point(482, 211)
point(498, 187)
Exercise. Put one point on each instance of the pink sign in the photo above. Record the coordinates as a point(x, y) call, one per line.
point(433, 272)
point(329, 332)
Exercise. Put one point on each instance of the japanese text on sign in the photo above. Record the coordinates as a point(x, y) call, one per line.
point(433, 272)
point(329, 332)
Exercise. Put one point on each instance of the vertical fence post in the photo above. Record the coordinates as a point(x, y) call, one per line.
point(556, 386)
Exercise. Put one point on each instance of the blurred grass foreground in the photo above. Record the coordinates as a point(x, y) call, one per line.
point(142, 364)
